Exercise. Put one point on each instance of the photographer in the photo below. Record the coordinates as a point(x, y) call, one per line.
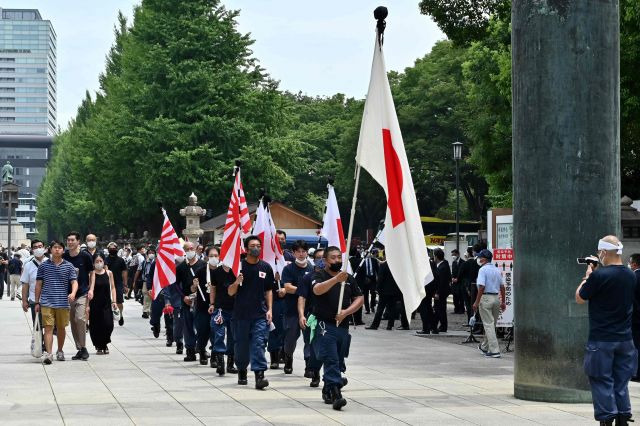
point(610, 357)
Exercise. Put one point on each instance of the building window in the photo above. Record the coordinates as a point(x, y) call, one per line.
point(7, 89)
point(6, 119)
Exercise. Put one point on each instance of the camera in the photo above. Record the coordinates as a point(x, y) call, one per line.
point(589, 260)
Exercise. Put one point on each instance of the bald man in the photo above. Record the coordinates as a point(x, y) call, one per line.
point(610, 357)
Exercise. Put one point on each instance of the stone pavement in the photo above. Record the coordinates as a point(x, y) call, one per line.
point(394, 378)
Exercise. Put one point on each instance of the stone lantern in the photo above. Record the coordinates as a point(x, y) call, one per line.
point(192, 213)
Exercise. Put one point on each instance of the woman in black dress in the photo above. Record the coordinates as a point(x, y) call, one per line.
point(102, 296)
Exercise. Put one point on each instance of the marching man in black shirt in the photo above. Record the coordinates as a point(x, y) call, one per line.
point(332, 337)
point(252, 313)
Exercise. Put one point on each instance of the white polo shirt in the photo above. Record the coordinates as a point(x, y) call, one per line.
point(28, 277)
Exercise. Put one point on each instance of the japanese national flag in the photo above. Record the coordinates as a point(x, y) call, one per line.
point(381, 152)
point(332, 226)
point(265, 229)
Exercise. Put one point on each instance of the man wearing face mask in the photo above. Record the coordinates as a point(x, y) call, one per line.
point(91, 241)
point(489, 301)
point(145, 273)
point(173, 297)
point(611, 358)
point(118, 267)
point(221, 311)
point(467, 276)
point(185, 274)
point(332, 339)
point(252, 312)
point(292, 277)
point(456, 287)
point(28, 278)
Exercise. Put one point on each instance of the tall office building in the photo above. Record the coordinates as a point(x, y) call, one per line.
point(27, 102)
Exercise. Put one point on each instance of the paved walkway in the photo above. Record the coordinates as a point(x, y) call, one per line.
point(394, 378)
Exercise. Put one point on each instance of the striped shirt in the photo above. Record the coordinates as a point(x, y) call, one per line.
point(56, 280)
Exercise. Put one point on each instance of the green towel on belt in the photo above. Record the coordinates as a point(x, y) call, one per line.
point(312, 322)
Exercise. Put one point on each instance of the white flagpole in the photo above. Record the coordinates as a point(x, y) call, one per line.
point(349, 235)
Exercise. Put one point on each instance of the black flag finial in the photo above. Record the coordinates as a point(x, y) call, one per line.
point(380, 14)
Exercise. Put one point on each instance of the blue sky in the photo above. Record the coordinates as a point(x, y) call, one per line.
point(319, 48)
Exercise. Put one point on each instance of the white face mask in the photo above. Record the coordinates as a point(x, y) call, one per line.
point(99, 266)
point(213, 261)
point(179, 259)
point(301, 262)
point(39, 252)
point(455, 258)
point(191, 254)
point(91, 244)
point(479, 262)
point(151, 256)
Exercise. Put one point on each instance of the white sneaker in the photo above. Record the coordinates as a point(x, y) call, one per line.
point(47, 358)
point(60, 356)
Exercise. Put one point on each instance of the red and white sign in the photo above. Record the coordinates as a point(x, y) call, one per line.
point(503, 259)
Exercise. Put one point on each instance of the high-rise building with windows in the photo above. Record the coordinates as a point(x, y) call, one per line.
point(27, 102)
point(27, 73)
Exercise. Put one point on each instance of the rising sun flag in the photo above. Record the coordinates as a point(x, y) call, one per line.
point(168, 249)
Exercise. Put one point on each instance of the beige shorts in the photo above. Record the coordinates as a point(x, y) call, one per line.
point(55, 316)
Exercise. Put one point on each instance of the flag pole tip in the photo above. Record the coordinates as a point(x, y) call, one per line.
point(380, 13)
point(238, 163)
point(266, 200)
point(331, 179)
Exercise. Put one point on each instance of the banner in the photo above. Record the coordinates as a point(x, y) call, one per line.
point(503, 259)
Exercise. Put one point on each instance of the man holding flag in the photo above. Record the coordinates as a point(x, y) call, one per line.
point(252, 312)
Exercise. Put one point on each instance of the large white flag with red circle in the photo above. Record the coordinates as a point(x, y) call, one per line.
point(265, 229)
point(381, 152)
point(332, 225)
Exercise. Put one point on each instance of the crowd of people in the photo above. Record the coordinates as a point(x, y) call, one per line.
point(209, 313)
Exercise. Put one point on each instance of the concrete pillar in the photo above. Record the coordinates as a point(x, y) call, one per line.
point(566, 180)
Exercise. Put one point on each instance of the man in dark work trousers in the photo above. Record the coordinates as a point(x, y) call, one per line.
point(444, 289)
point(456, 287)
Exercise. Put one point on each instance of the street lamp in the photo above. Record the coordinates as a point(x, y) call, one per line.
point(457, 156)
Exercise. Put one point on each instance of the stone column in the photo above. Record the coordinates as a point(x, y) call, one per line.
point(566, 180)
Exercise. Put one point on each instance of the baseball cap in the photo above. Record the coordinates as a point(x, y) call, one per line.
point(486, 254)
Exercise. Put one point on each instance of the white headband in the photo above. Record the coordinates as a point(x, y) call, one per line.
point(604, 245)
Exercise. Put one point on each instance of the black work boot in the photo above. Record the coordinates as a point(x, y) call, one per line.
point(345, 382)
point(203, 357)
point(623, 419)
point(288, 364)
point(230, 367)
point(326, 394)
point(274, 360)
point(242, 377)
point(315, 379)
point(337, 401)
point(220, 362)
point(213, 361)
point(179, 348)
point(261, 382)
point(191, 355)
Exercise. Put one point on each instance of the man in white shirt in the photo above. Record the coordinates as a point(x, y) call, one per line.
point(490, 300)
point(28, 277)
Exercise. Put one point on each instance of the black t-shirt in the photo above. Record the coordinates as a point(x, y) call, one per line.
point(3, 267)
point(116, 265)
point(83, 262)
point(304, 290)
point(250, 302)
point(185, 277)
point(222, 279)
point(326, 305)
point(610, 292)
point(635, 322)
point(293, 274)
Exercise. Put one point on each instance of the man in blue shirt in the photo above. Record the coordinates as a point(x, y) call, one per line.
point(610, 358)
point(53, 298)
point(490, 286)
point(252, 312)
point(292, 277)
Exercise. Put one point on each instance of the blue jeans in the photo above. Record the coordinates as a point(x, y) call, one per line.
point(330, 343)
point(218, 332)
point(250, 342)
point(188, 331)
point(276, 336)
point(610, 366)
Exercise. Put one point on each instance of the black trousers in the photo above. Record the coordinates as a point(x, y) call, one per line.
point(390, 303)
point(427, 315)
point(440, 308)
point(369, 293)
point(458, 298)
point(636, 341)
